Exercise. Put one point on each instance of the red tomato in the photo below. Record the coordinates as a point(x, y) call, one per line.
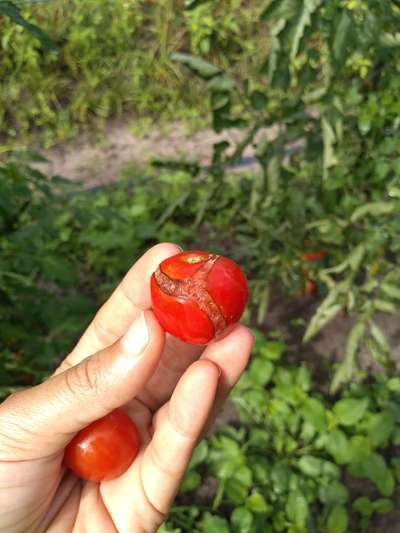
point(310, 287)
point(104, 449)
point(313, 256)
point(197, 295)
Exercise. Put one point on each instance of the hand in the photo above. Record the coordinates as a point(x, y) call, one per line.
point(172, 390)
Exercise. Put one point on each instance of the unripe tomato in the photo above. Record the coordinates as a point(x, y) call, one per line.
point(197, 295)
point(104, 449)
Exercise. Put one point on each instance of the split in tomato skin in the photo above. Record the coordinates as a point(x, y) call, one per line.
point(104, 449)
point(197, 296)
point(193, 325)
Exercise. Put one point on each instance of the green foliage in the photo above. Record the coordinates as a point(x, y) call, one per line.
point(61, 252)
point(9, 9)
point(329, 171)
point(288, 462)
point(111, 60)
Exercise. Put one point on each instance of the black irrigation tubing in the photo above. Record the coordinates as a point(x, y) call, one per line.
point(243, 162)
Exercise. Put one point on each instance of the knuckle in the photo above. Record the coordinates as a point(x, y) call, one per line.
point(85, 378)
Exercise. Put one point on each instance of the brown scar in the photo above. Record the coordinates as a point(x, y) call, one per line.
point(194, 289)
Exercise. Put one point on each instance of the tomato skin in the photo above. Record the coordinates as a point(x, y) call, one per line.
point(310, 287)
point(314, 256)
point(104, 449)
point(197, 296)
point(193, 325)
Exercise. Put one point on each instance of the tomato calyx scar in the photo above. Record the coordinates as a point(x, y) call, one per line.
point(194, 289)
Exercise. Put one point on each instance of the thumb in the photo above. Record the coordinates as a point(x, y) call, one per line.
point(40, 421)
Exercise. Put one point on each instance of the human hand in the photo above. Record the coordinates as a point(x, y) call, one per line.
point(172, 390)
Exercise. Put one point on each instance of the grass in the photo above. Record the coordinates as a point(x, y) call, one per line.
point(114, 62)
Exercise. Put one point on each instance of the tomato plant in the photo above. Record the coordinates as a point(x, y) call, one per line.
point(197, 295)
point(104, 449)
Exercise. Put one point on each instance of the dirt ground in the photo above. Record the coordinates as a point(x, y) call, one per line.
point(98, 163)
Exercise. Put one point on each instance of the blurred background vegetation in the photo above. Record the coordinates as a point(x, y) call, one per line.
point(311, 90)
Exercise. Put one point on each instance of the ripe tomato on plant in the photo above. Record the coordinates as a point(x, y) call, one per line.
point(310, 287)
point(314, 256)
point(197, 295)
point(104, 449)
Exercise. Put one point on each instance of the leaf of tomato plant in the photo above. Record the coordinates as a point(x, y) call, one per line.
point(350, 410)
point(314, 413)
point(197, 65)
point(337, 520)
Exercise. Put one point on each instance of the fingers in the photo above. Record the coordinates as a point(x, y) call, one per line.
point(231, 354)
point(168, 454)
point(41, 421)
point(130, 297)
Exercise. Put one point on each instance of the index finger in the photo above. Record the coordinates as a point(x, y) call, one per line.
point(130, 297)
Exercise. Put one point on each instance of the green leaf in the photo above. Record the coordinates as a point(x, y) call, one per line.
point(338, 520)
point(373, 467)
point(383, 505)
point(199, 455)
point(213, 524)
point(373, 209)
point(396, 466)
point(309, 7)
point(297, 508)
point(236, 491)
point(310, 465)
point(191, 480)
point(363, 505)
point(280, 9)
point(384, 306)
point(9, 9)
point(272, 350)
point(303, 378)
point(256, 503)
point(337, 445)
point(313, 411)
point(393, 384)
point(258, 100)
point(350, 410)
point(197, 65)
point(329, 139)
point(346, 368)
point(260, 372)
point(219, 100)
point(390, 40)
point(242, 520)
point(380, 427)
point(341, 37)
point(334, 493)
point(221, 83)
point(393, 291)
point(323, 315)
point(379, 337)
point(356, 256)
point(192, 4)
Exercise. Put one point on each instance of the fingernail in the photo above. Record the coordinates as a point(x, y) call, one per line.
point(136, 338)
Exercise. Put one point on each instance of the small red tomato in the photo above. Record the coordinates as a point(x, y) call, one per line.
point(313, 256)
point(104, 449)
point(197, 295)
point(310, 287)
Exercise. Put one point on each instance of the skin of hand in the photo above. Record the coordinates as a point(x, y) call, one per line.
point(172, 390)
